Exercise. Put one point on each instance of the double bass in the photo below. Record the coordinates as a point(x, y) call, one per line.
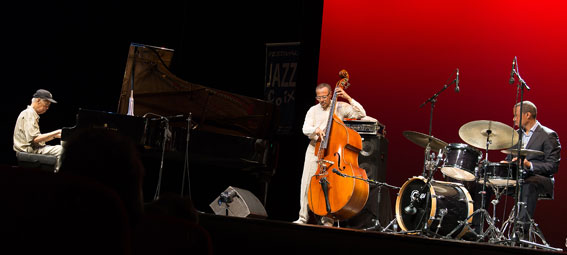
point(332, 191)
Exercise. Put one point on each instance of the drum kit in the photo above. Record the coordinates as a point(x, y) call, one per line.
point(446, 209)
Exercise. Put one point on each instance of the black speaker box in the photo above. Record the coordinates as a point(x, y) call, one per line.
point(372, 158)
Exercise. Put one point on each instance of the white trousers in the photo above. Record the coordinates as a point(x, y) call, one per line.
point(309, 169)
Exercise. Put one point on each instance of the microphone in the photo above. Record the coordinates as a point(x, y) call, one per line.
point(457, 82)
point(337, 172)
point(410, 209)
point(512, 71)
point(157, 115)
point(227, 196)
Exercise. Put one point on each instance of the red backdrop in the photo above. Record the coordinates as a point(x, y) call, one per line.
point(400, 53)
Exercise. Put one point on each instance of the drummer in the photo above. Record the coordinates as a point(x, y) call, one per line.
point(539, 168)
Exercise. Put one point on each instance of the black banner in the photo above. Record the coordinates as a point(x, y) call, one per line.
point(281, 79)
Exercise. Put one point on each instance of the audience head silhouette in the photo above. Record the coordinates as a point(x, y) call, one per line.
point(109, 158)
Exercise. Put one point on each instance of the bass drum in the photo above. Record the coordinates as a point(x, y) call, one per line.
point(447, 203)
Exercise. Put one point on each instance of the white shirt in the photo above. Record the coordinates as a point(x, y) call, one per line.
point(526, 138)
point(317, 117)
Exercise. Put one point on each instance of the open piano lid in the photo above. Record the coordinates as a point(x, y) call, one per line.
point(157, 90)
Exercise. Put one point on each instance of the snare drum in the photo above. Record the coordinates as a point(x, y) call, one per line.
point(461, 161)
point(499, 174)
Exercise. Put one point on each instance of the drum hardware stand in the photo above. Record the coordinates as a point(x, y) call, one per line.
point(516, 226)
point(496, 200)
point(442, 213)
point(377, 225)
point(393, 223)
point(492, 231)
point(483, 192)
point(534, 232)
point(426, 158)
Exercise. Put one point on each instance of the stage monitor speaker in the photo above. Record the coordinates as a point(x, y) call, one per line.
point(372, 158)
point(239, 203)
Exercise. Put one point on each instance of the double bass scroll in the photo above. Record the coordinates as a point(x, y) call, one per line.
point(331, 194)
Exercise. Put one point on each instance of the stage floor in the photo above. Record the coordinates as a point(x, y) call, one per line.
point(263, 236)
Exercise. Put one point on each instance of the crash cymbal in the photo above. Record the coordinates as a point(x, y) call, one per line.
point(523, 152)
point(422, 140)
point(501, 135)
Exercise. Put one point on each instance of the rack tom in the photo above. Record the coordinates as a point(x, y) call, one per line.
point(461, 161)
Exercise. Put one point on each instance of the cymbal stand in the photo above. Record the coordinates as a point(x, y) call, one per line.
point(483, 192)
point(534, 232)
point(426, 159)
point(492, 232)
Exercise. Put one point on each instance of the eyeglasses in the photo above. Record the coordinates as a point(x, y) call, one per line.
point(322, 97)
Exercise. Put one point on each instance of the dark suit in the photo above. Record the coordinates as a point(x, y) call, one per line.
point(545, 166)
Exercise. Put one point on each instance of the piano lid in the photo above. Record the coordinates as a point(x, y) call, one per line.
point(157, 90)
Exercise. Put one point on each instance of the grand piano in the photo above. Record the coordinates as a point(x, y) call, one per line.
point(189, 135)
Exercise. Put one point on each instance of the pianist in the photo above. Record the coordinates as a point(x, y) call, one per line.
point(27, 136)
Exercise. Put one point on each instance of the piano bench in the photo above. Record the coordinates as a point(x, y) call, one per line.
point(34, 160)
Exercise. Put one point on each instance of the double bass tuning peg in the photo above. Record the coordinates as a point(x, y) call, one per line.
point(344, 79)
point(343, 73)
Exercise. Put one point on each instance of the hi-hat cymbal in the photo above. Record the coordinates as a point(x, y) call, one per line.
point(500, 135)
point(422, 140)
point(523, 152)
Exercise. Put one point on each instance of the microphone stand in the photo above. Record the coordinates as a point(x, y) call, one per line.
point(433, 100)
point(166, 129)
point(520, 177)
point(520, 169)
point(377, 224)
point(165, 138)
point(186, 164)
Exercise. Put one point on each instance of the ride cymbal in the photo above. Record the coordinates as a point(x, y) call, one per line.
point(500, 135)
point(422, 140)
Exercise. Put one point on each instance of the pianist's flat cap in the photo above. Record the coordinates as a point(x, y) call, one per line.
point(44, 94)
